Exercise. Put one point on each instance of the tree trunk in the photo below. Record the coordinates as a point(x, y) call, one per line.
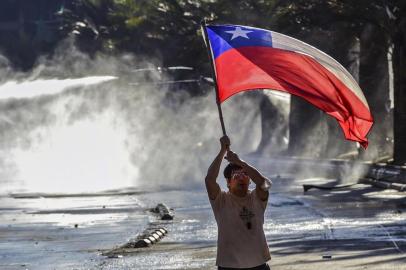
point(307, 129)
point(399, 73)
point(273, 125)
point(269, 115)
point(374, 81)
point(345, 48)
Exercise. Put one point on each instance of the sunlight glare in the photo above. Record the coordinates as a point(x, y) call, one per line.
point(87, 156)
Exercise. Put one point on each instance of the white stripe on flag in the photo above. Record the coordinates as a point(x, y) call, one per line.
point(283, 42)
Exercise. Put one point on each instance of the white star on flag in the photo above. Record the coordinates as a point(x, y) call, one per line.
point(238, 32)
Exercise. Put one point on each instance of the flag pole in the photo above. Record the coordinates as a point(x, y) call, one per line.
point(209, 52)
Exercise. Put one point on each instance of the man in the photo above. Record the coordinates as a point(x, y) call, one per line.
point(239, 213)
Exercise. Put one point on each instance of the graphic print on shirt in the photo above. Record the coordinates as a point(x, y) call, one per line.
point(246, 215)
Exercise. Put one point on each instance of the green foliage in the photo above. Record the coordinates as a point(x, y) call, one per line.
point(170, 29)
point(167, 29)
point(303, 15)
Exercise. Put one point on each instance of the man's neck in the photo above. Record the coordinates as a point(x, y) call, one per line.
point(239, 193)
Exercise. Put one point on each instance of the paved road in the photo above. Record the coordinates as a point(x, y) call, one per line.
point(360, 228)
point(354, 228)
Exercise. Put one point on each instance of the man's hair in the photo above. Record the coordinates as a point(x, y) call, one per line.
point(229, 169)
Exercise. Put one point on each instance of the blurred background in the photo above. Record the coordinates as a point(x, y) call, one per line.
point(107, 93)
point(107, 107)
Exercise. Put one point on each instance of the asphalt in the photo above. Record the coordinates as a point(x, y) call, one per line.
point(378, 245)
point(354, 227)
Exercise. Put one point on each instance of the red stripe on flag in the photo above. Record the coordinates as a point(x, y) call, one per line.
point(249, 68)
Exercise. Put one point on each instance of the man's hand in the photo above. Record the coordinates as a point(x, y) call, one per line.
point(233, 158)
point(225, 142)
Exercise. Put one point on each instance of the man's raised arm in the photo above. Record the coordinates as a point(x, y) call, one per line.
point(212, 187)
point(262, 183)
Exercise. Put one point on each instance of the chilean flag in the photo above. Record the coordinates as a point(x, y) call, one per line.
point(248, 58)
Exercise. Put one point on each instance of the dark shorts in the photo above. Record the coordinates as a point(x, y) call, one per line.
point(264, 266)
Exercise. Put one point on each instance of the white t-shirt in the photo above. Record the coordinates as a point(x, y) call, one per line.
point(241, 240)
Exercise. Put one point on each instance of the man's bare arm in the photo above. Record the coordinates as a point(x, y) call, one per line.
point(212, 186)
point(262, 183)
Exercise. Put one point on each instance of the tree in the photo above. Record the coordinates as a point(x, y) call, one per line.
point(398, 21)
point(363, 22)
